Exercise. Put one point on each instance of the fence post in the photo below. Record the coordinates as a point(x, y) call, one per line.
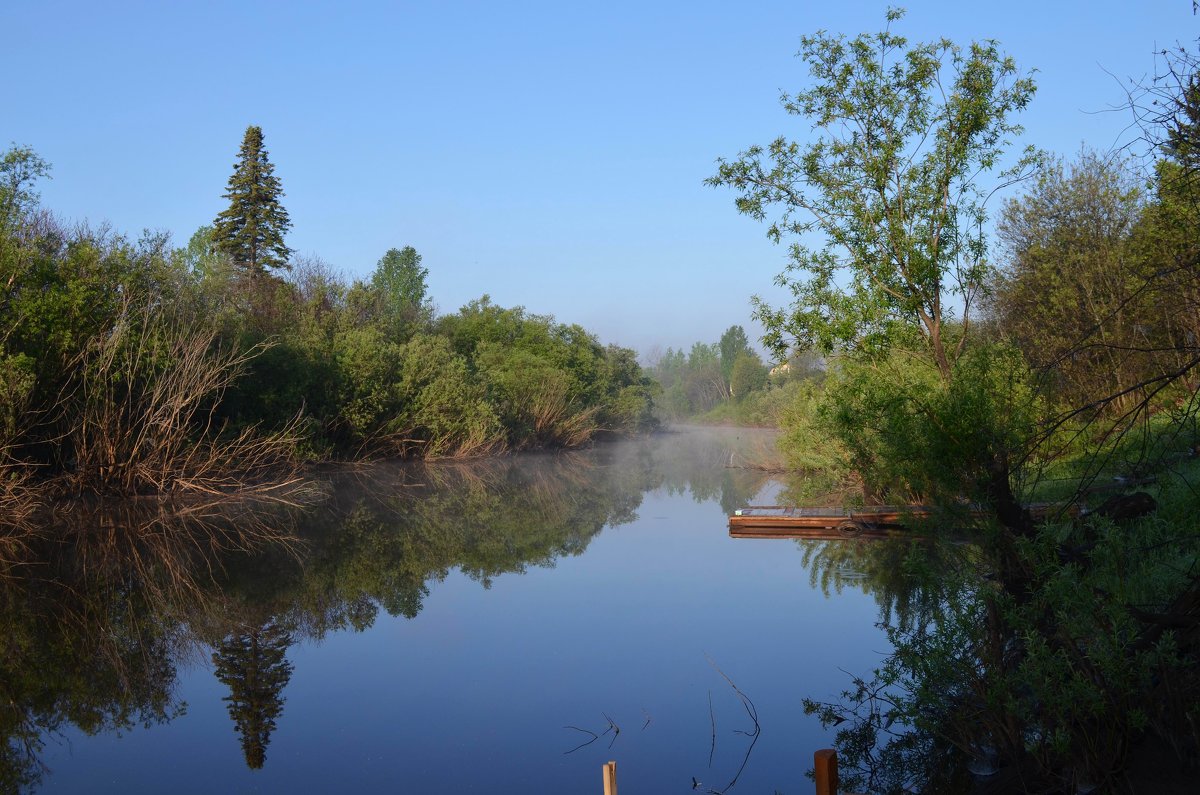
point(826, 772)
point(610, 779)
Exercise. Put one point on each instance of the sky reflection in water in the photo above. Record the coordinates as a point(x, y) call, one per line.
point(474, 691)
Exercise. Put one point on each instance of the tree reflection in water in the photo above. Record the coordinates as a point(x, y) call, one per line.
point(1043, 688)
point(100, 609)
point(254, 666)
point(94, 616)
point(895, 728)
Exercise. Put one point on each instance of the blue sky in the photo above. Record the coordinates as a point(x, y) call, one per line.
point(550, 154)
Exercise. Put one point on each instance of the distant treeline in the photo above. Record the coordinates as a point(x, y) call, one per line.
point(130, 366)
point(726, 382)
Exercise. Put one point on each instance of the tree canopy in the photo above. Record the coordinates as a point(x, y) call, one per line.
point(1071, 294)
point(884, 211)
point(400, 287)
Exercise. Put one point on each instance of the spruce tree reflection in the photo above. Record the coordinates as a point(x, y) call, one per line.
point(97, 615)
point(253, 665)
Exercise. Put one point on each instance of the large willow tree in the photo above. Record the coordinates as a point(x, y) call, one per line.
point(883, 208)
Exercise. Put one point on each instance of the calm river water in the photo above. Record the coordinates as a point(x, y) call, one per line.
point(438, 629)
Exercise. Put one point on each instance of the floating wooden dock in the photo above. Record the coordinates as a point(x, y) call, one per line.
point(781, 521)
point(872, 521)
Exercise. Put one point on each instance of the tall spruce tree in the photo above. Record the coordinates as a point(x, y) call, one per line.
point(254, 666)
point(251, 230)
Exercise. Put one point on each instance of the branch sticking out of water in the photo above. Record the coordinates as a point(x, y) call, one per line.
point(583, 744)
point(753, 734)
point(713, 719)
point(612, 727)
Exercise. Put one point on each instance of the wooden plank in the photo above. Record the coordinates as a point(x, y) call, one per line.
point(825, 771)
point(817, 534)
point(610, 778)
point(869, 513)
point(768, 520)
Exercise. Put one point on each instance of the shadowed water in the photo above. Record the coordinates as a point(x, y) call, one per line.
point(454, 628)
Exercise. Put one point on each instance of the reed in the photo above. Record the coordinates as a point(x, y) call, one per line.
point(139, 416)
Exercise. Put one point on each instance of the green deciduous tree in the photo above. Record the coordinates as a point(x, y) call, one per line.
point(200, 257)
point(20, 168)
point(885, 210)
point(251, 229)
point(1166, 242)
point(1169, 114)
point(885, 214)
point(733, 344)
point(1071, 293)
point(399, 286)
point(748, 375)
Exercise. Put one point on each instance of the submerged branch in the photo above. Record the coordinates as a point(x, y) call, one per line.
point(753, 734)
point(583, 744)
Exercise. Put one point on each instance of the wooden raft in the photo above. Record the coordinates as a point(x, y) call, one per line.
point(872, 521)
point(781, 521)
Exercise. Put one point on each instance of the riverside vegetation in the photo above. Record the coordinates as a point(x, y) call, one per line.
point(1051, 657)
point(129, 367)
point(1055, 656)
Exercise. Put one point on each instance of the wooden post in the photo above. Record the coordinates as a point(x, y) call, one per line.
point(610, 779)
point(825, 769)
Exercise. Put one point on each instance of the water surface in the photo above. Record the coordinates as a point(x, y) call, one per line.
point(438, 629)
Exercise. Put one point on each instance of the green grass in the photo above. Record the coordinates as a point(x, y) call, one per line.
point(760, 409)
point(1142, 458)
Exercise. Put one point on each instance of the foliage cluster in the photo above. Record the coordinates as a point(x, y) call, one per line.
point(957, 381)
point(892, 183)
point(130, 367)
point(1097, 289)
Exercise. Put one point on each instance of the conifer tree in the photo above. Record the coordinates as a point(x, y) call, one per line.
point(251, 230)
point(254, 667)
